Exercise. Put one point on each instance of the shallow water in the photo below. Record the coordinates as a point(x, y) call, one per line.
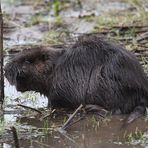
point(92, 131)
point(20, 13)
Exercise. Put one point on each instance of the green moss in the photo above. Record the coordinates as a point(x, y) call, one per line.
point(127, 18)
point(136, 138)
point(51, 37)
point(34, 20)
point(2, 125)
point(59, 22)
point(46, 127)
point(56, 7)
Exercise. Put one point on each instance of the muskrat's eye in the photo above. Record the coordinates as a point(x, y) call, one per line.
point(27, 62)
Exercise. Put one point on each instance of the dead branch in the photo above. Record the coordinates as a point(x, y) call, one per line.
point(143, 37)
point(47, 115)
point(27, 107)
point(1, 61)
point(15, 137)
point(69, 119)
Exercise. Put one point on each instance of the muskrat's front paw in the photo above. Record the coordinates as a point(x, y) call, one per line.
point(97, 110)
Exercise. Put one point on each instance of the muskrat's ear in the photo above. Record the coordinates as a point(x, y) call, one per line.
point(49, 55)
point(60, 52)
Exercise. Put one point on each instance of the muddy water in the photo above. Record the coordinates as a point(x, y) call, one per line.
point(35, 132)
point(92, 134)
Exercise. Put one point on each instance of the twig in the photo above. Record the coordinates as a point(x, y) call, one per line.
point(66, 136)
point(144, 46)
point(15, 137)
point(72, 123)
point(13, 112)
point(70, 118)
point(47, 115)
point(133, 26)
point(24, 106)
point(140, 50)
point(143, 37)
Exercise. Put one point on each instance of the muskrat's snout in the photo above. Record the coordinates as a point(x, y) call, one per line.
point(10, 72)
point(20, 76)
point(16, 75)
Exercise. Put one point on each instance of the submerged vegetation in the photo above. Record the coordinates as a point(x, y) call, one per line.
point(137, 137)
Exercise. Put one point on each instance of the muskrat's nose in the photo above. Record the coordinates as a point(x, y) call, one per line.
point(6, 70)
point(9, 73)
point(20, 76)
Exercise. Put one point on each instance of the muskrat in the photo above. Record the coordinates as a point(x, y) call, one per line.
point(92, 71)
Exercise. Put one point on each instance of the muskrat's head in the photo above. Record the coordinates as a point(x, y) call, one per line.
point(32, 69)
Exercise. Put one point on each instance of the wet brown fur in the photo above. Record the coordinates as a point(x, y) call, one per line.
point(92, 71)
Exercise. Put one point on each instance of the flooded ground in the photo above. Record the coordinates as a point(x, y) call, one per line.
point(35, 23)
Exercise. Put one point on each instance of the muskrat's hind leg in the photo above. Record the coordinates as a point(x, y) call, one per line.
point(137, 112)
point(96, 109)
